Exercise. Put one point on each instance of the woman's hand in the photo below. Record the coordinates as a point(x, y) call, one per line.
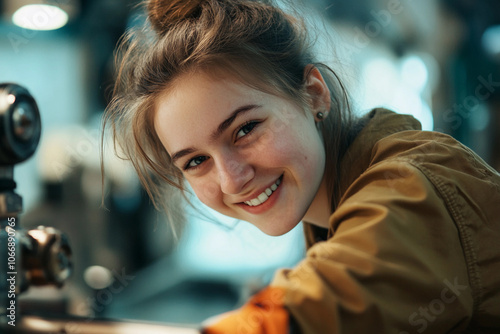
point(264, 313)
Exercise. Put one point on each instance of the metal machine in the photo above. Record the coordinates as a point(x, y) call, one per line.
point(40, 256)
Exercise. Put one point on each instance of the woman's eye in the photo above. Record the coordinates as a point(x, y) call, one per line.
point(195, 162)
point(246, 129)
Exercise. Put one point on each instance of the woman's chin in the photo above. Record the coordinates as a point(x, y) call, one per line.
point(276, 231)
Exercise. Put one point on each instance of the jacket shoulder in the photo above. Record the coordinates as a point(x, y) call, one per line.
point(470, 192)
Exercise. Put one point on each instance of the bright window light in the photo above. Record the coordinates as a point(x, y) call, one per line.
point(40, 17)
point(491, 40)
point(397, 87)
point(414, 73)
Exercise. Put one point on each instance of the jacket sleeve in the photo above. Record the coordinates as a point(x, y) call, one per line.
point(393, 265)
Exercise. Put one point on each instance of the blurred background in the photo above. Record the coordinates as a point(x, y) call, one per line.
point(436, 59)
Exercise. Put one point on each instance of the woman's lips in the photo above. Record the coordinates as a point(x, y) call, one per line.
point(268, 202)
point(263, 197)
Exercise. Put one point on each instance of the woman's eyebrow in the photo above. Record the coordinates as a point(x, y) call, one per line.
point(179, 154)
point(227, 123)
point(220, 129)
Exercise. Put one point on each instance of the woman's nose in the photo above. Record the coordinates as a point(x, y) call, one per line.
point(234, 174)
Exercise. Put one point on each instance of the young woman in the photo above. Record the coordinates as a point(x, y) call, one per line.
point(402, 225)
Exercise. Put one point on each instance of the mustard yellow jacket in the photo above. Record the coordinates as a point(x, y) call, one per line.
point(413, 246)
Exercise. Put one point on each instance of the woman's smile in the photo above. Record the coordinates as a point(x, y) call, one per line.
point(264, 201)
point(264, 195)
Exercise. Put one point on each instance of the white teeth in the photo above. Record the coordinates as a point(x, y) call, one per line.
point(254, 202)
point(264, 196)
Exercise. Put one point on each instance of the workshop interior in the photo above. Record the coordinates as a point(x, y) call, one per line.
point(95, 251)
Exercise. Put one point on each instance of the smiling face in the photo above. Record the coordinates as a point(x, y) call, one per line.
point(245, 153)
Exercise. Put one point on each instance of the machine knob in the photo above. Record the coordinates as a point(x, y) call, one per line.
point(46, 257)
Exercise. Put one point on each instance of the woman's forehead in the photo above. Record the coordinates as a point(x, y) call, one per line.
point(196, 104)
point(200, 86)
point(231, 70)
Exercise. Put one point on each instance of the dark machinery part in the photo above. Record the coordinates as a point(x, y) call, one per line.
point(27, 258)
point(41, 256)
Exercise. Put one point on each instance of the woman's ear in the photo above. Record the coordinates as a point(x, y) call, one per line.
point(317, 90)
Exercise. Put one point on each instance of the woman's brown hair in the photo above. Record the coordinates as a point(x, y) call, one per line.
point(254, 41)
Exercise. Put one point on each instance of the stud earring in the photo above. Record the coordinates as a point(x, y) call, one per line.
point(320, 116)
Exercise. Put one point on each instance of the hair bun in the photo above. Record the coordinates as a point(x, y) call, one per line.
point(163, 13)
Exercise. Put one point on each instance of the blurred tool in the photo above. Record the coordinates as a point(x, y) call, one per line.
point(40, 256)
point(35, 257)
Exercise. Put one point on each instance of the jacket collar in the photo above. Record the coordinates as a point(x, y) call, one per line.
point(380, 123)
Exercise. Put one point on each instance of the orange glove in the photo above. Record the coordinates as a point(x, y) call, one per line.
point(264, 313)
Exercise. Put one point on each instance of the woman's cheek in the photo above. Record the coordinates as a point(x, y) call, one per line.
point(265, 140)
point(207, 192)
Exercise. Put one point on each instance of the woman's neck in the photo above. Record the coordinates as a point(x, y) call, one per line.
point(319, 211)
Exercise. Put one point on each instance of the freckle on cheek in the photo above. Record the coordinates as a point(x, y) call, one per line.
point(267, 138)
point(208, 192)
